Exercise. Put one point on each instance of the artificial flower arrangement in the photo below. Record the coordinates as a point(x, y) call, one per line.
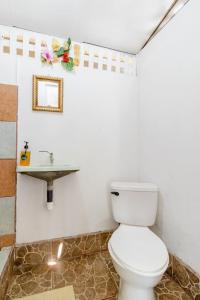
point(59, 53)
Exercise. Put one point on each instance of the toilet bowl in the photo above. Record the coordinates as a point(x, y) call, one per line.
point(139, 256)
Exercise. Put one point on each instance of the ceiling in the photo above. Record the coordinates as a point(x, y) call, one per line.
point(124, 25)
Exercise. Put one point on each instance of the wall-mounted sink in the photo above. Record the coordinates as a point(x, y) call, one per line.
point(47, 172)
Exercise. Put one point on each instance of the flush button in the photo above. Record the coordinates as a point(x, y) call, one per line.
point(115, 193)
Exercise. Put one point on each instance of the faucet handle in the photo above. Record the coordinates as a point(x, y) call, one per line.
point(51, 158)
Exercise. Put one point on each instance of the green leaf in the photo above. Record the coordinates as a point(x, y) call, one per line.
point(68, 65)
point(60, 52)
point(69, 42)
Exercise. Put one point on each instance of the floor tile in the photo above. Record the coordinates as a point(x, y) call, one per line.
point(106, 257)
point(169, 289)
point(93, 278)
point(29, 280)
point(89, 276)
point(34, 254)
point(186, 278)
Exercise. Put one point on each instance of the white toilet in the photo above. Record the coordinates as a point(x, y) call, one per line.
point(139, 256)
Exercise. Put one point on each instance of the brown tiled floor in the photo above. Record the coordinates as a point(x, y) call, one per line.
point(93, 278)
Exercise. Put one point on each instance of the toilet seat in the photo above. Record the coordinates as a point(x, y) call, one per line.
point(139, 249)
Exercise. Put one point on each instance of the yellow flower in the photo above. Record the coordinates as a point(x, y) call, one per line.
point(55, 45)
point(55, 59)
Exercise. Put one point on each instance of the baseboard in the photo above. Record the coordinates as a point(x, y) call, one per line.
point(187, 278)
point(6, 274)
point(76, 246)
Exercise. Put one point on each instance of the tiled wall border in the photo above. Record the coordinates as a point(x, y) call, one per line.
point(187, 278)
point(8, 117)
point(6, 275)
point(76, 246)
point(7, 240)
point(22, 43)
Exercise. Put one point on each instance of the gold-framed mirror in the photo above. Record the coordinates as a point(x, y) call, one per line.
point(47, 93)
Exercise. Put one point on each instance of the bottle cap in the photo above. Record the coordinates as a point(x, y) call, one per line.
point(26, 145)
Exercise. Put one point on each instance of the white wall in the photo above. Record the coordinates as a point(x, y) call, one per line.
point(97, 131)
point(169, 87)
point(8, 73)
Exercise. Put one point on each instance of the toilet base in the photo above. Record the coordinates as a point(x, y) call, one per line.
point(129, 292)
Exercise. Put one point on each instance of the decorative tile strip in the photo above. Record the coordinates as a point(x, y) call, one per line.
point(187, 278)
point(77, 49)
point(6, 275)
point(8, 100)
point(7, 240)
point(32, 43)
point(23, 43)
point(6, 43)
point(19, 45)
point(7, 177)
point(63, 248)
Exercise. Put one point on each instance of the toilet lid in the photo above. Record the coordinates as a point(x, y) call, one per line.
point(139, 248)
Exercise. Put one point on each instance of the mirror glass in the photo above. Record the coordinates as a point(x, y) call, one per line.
point(47, 93)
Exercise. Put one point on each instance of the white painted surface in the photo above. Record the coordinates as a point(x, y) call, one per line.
point(137, 208)
point(135, 281)
point(8, 65)
point(169, 72)
point(139, 249)
point(124, 25)
point(97, 131)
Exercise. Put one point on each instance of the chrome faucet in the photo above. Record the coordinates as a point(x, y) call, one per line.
point(50, 155)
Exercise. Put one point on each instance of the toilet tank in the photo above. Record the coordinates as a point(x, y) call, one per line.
point(134, 203)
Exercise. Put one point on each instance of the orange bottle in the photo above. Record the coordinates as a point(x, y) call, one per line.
point(25, 156)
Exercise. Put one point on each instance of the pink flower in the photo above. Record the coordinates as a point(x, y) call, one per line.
point(47, 56)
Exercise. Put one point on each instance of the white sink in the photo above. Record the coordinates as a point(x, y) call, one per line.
point(47, 172)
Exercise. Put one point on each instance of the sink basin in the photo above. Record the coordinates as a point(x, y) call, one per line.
point(47, 172)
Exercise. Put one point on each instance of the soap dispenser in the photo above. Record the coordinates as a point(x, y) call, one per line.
point(25, 156)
